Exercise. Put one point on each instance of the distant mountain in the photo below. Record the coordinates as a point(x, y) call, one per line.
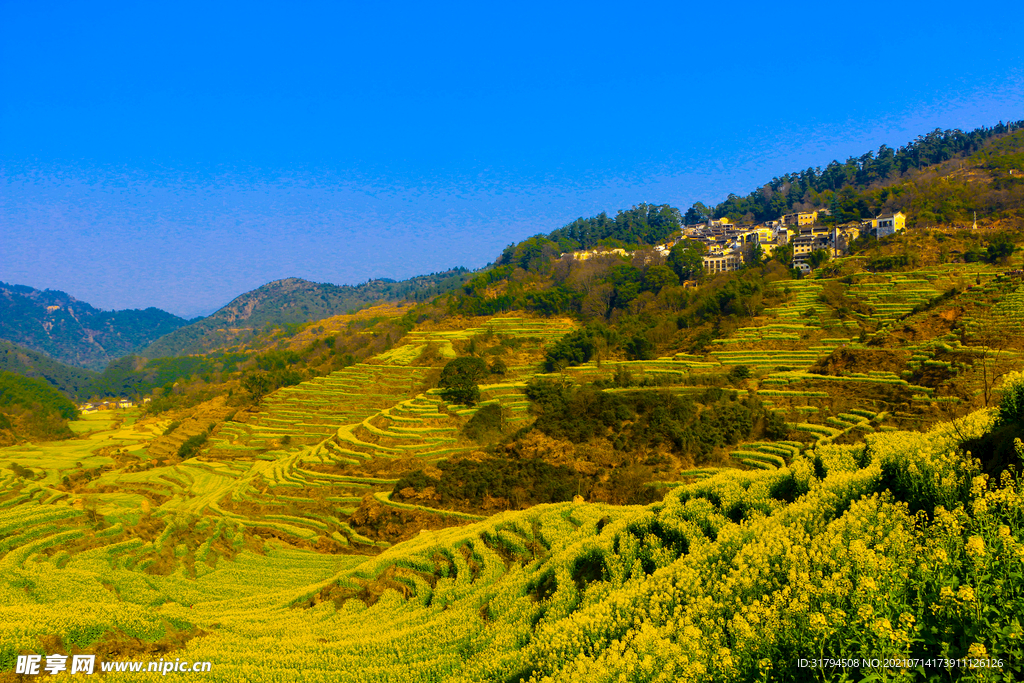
point(72, 331)
point(292, 301)
point(27, 363)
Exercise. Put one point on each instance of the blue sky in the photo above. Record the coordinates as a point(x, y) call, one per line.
point(179, 154)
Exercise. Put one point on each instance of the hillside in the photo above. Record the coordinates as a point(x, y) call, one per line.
point(943, 177)
point(601, 465)
point(32, 409)
point(291, 302)
point(65, 378)
point(72, 331)
point(895, 548)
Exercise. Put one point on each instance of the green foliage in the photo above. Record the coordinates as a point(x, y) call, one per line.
point(643, 419)
point(884, 263)
point(783, 254)
point(191, 446)
point(698, 213)
point(817, 257)
point(459, 380)
point(1011, 406)
point(552, 301)
point(627, 281)
point(686, 259)
point(739, 373)
point(775, 427)
point(852, 178)
point(532, 255)
point(34, 394)
point(1000, 248)
point(522, 482)
point(658, 277)
point(135, 375)
point(639, 347)
point(642, 224)
point(21, 361)
point(32, 409)
point(739, 294)
point(257, 385)
point(485, 424)
point(574, 348)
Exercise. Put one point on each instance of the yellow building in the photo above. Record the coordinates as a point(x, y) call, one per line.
point(723, 262)
point(800, 218)
point(892, 222)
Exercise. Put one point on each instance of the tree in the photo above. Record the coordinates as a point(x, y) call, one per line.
point(757, 255)
point(658, 277)
point(572, 349)
point(739, 373)
point(459, 380)
point(783, 254)
point(687, 259)
point(627, 282)
point(817, 257)
point(639, 347)
point(1000, 249)
point(257, 385)
point(698, 213)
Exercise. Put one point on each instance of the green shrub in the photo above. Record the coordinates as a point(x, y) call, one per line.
point(487, 422)
point(459, 380)
point(192, 445)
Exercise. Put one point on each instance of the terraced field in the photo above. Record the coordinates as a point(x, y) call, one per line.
point(252, 547)
point(543, 594)
point(299, 467)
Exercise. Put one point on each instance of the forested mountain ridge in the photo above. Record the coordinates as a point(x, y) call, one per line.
point(293, 301)
point(74, 332)
point(642, 224)
point(896, 179)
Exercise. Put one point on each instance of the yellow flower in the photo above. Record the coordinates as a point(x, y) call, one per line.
point(977, 651)
point(975, 546)
point(966, 594)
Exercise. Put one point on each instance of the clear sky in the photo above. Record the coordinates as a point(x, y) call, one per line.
point(179, 154)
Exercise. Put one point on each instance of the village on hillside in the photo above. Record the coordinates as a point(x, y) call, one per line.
point(728, 246)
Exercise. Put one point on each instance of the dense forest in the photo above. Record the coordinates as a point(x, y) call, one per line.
point(642, 224)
